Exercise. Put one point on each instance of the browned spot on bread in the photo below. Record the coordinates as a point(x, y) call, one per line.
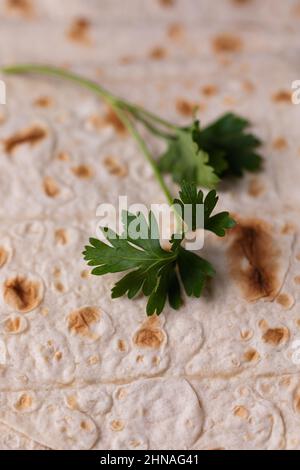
point(86, 425)
point(209, 90)
point(92, 360)
point(64, 156)
point(263, 324)
point(114, 167)
point(227, 42)
point(22, 293)
point(79, 31)
point(23, 402)
point(12, 325)
point(288, 229)
point(158, 53)
point(117, 425)
point(59, 286)
point(57, 355)
point(298, 257)
point(111, 119)
point(297, 280)
point(275, 336)
point(167, 3)
point(72, 402)
point(241, 412)
point(50, 186)
point(285, 300)
point(21, 7)
point(296, 400)
point(85, 273)
point(251, 355)
point(248, 86)
point(3, 256)
point(280, 143)
point(30, 136)
point(246, 335)
point(56, 271)
point(82, 171)
point(282, 96)
point(175, 31)
point(253, 258)
point(185, 107)
point(79, 321)
point(43, 102)
point(150, 335)
point(255, 188)
point(61, 236)
point(122, 345)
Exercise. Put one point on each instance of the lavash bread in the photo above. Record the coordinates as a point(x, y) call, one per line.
point(70, 357)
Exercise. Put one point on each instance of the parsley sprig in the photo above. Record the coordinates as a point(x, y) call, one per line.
point(194, 156)
point(156, 272)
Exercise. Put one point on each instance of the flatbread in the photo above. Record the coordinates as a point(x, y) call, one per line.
point(79, 370)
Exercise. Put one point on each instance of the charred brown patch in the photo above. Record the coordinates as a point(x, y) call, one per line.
point(241, 412)
point(227, 42)
point(251, 355)
point(22, 293)
point(253, 257)
point(24, 402)
point(282, 96)
point(82, 171)
point(122, 345)
point(61, 236)
point(43, 102)
point(79, 321)
point(175, 31)
point(114, 167)
point(150, 335)
point(255, 188)
point(209, 90)
point(20, 7)
point(185, 107)
point(280, 143)
point(276, 336)
point(29, 136)
point(111, 119)
point(285, 300)
point(248, 86)
point(79, 31)
point(158, 53)
point(50, 186)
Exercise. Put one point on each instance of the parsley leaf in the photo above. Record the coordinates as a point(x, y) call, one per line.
point(217, 224)
point(231, 149)
point(156, 272)
point(185, 160)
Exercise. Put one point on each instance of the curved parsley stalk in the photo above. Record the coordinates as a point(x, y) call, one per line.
point(155, 272)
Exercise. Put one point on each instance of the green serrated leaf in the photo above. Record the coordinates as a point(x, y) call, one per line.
point(185, 160)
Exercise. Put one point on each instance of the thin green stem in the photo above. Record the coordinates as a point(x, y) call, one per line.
point(115, 103)
point(59, 72)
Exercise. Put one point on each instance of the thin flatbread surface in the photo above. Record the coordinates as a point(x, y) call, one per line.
point(77, 369)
